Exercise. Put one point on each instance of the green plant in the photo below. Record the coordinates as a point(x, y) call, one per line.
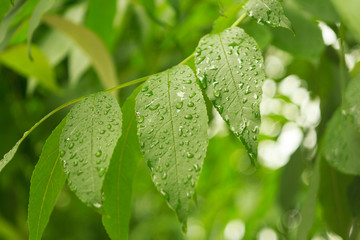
point(98, 146)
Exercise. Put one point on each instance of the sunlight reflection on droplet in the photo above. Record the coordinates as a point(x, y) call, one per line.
point(267, 234)
point(234, 230)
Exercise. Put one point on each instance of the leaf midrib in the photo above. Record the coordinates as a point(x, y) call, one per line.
point(92, 144)
point(45, 193)
point(237, 89)
point(173, 138)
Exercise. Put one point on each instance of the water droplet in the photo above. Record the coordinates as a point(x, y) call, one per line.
point(154, 107)
point(62, 153)
point(164, 176)
point(220, 109)
point(189, 155)
point(108, 105)
point(140, 118)
point(102, 172)
point(97, 205)
point(190, 104)
point(217, 93)
point(102, 131)
point(218, 57)
point(149, 94)
point(165, 194)
point(188, 195)
point(71, 145)
point(179, 105)
point(244, 100)
point(73, 156)
point(180, 131)
point(145, 88)
point(197, 168)
point(98, 153)
point(75, 163)
point(188, 116)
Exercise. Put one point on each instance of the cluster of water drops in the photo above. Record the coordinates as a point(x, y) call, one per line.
point(87, 141)
point(230, 69)
point(172, 128)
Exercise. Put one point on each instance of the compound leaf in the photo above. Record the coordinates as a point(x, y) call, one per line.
point(231, 69)
point(172, 127)
point(269, 12)
point(47, 181)
point(118, 180)
point(92, 129)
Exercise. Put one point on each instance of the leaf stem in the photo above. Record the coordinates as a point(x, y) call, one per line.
point(139, 80)
point(240, 19)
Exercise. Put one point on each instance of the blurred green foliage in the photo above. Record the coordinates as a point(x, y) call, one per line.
point(234, 198)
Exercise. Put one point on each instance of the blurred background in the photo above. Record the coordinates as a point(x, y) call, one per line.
point(234, 198)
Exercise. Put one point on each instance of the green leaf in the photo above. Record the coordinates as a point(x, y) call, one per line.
point(17, 59)
point(352, 100)
point(231, 69)
point(41, 8)
point(118, 180)
point(321, 9)
point(172, 127)
point(78, 64)
point(104, 10)
point(92, 129)
point(309, 207)
point(307, 43)
point(47, 181)
point(341, 145)
point(269, 12)
point(4, 8)
point(348, 11)
point(227, 19)
point(353, 194)
point(91, 45)
point(333, 199)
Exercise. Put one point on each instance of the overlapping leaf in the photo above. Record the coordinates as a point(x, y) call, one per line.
point(119, 177)
point(47, 181)
point(230, 68)
point(352, 100)
point(348, 11)
point(268, 12)
point(333, 198)
point(172, 127)
point(91, 45)
point(341, 144)
point(41, 8)
point(92, 129)
point(17, 59)
point(106, 10)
